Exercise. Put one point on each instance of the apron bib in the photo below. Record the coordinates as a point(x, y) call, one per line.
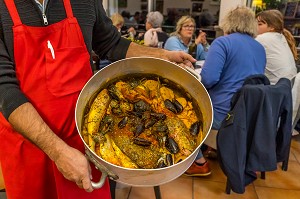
point(52, 66)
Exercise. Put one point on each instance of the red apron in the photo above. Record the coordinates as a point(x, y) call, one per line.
point(52, 66)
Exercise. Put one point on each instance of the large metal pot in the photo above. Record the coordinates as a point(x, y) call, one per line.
point(144, 65)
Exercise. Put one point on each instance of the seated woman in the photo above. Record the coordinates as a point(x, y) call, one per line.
point(181, 39)
point(154, 35)
point(279, 44)
point(232, 58)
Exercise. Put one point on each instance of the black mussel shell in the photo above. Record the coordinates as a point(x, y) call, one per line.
point(159, 116)
point(139, 128)
point(141, 106)
point(169, 160)
point(123, 122)
point(150, 122)
point(178, 106)
point(172, 146)
point(141, 141)
point(169, 105)
point(195, 128)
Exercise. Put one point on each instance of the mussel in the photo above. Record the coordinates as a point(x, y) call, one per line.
point(159, 116)
point(150, 122)
point(160, 127)
point(141, 106)
point(139, 128)
point(178, 106)
point(195, 128)
point(169, 160)
point(169, 105)
point(123, 122)
point(141, 141)
point(173, 106)
point(171, 145)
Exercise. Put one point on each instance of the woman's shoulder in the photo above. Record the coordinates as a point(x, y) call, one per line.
point(267, 37)
point(173, 43)
point(173, 38)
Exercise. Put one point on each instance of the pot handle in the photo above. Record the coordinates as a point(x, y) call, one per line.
point(105, 172)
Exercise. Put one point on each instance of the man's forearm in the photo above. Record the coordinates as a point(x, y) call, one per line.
point(136, 50)
point(179, 57)
point(26, 120)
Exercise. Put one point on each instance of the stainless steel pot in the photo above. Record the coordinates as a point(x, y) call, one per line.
point(144, 65)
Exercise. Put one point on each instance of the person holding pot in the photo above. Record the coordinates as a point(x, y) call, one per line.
point(45, 61)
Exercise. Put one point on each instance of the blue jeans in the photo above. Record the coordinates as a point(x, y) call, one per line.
point(215, 125)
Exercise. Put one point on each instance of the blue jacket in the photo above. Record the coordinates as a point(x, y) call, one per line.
point(250, 138)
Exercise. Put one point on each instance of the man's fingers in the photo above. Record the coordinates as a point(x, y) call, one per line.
point(86, 185)
point(188, 58)
point(187, 63)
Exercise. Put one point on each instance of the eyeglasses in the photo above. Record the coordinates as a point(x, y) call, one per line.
point(188, 27)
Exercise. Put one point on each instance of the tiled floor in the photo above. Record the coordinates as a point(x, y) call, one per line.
point(277, 185)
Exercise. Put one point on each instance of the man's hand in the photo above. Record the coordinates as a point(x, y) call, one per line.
point(181, 58)
point(75, 167)
point(201, 39)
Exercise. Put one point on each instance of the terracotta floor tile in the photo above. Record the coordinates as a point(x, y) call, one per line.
point(273, 193)
point(293, 154)
point(282, 179)
point(122, 193)
point(217, 173)
point(182, 186)
point(216, 190)
point(142, 193)
point(295, 147)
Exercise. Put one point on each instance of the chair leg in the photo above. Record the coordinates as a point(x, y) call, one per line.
point(228, 187)
point(157, 192)
point(284, 166)
point(112, 185)
point(263, 175)
point(285, 163)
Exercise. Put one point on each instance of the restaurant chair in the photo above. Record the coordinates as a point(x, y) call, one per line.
point(256, 134)
point(296, 99)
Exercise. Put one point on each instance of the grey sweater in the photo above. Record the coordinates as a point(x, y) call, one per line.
point(97, 29)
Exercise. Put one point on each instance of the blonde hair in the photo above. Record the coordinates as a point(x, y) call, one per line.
point(180, 22)
point(274, 19)
point(117, 19)
point(241, 20)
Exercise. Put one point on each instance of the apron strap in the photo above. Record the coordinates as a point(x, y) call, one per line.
point(68, 8)
point(10, 4)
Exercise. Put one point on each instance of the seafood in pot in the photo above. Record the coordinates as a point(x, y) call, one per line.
point(142, 122)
